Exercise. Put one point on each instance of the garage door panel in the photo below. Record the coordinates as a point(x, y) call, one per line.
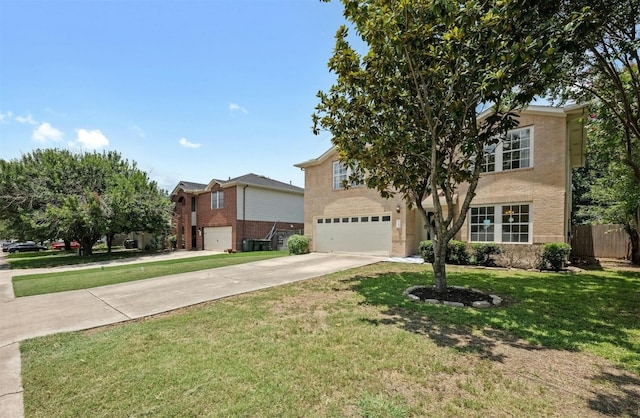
point(217, 238)
point(358, 237)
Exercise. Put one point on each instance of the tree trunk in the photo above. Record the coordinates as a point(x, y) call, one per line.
point(87, 247)
point(109, 242)
point(439, 266)
point(635, 247)
point(67, 245)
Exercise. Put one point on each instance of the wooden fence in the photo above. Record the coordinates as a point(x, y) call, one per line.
point(599, 241)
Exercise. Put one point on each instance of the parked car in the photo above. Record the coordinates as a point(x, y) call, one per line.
point(20, 247)
point(59, 245)
point(6, 245)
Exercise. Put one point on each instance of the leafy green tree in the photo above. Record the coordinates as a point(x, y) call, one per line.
point(404, 117)
point(51, 194)
point(608, 75)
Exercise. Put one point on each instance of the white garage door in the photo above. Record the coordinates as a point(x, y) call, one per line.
point(369, 234)
point(217, 238)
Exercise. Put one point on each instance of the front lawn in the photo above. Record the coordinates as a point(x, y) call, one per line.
point(349, 344)
point(38, 284)
point(57, 258)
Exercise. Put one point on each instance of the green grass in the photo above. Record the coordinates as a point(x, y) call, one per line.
point(38, 284)
point(55, 258)
point(350, 345)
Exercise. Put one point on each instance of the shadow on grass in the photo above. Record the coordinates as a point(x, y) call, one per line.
point(592, 311)
point(627, 403)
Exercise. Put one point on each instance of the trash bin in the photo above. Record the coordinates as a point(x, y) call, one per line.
point(247, 245)
point(261, 245)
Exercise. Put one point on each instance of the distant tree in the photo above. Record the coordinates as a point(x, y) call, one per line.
point(56, 194)
point(404, 117)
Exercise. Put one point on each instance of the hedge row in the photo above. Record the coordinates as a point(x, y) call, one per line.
point(552, 257)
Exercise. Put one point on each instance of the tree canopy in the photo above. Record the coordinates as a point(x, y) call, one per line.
point(57, 194)
point(607, 75)
point(404, 116)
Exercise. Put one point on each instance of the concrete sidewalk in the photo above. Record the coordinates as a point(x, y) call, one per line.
point(35, 316)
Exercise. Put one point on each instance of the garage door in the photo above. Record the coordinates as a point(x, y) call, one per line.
point(217, 238)
point(369, 234)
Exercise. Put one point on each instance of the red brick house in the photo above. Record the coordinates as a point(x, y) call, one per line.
point(222, 215)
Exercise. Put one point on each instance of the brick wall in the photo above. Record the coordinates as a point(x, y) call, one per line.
point(260, 230)
point(320, 199)
point(544, 185)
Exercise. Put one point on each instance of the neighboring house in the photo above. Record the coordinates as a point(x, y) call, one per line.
point(523, 195)
point(222, 215)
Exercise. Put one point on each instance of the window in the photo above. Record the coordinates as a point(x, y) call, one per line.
point(501, 223)
point(345, 220)
point(194, 203)
point(354, 219)
point(217, 200)
point(512, 152)
point(515, 223)
point(386, 218)
point(482, 223)
point(341, 174)
point(320, 221)
point(375, 218)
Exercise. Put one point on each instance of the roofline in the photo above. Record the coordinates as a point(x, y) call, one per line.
point(236, 183)
point(184, 189)
point(316, 161)
point(546, 110)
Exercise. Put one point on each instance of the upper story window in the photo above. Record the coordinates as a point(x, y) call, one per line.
point(217, 200)
point(513, 152)
point(341, 174)
point(194, 203)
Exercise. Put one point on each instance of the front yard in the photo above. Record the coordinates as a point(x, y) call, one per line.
point(350, 344)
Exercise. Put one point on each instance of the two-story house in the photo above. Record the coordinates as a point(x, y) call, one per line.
point(222, 215)
point(523, 195)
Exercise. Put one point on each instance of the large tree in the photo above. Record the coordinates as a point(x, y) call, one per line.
point(607, 74)
point(405, 116)
point(57, 194)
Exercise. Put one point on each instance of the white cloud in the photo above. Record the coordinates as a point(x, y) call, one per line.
point(237, 108)
point(92, 139)
point(26, 119)
point(185, 143)
point(138, 131)
point(5, 117)
point(45, 133)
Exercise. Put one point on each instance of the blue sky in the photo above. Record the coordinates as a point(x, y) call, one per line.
point(190, 90)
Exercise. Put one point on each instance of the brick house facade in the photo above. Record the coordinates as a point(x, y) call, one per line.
point(222, 215)
point(523, 197)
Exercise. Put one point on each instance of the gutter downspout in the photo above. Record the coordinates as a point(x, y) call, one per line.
point(244, 210)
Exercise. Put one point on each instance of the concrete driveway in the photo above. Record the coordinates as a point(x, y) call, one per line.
point(36, 316)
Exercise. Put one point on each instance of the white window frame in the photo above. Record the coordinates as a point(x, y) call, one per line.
point(498, 152)
point(341, 173)
point(500, 222)
point(217, 200)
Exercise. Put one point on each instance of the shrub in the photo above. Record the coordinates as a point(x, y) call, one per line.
point(456, 252)
point(482, 253)
point(298, 244)
point(426, 250)
point(554, 256)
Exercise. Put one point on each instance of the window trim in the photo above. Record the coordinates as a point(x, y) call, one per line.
point(498, 152)
point(348, 171)
point(219, 200)
point(497, 225)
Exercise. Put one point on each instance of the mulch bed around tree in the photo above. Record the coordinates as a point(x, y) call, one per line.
point(454, 294)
